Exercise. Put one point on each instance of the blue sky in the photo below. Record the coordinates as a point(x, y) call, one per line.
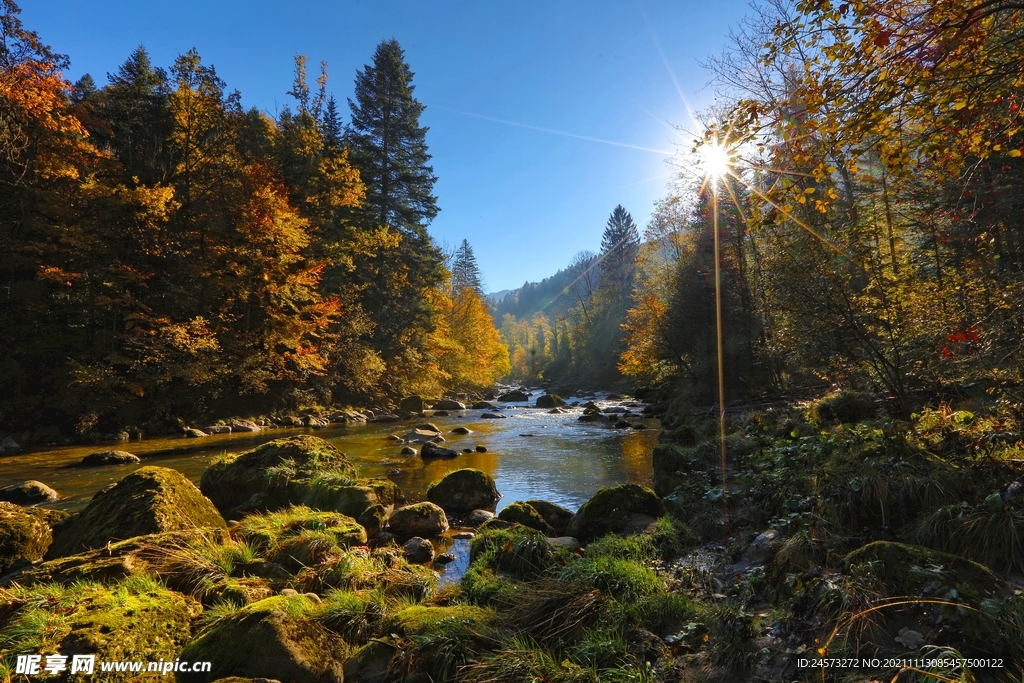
point(526, 199)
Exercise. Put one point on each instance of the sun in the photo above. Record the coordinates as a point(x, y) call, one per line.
point(714, 160)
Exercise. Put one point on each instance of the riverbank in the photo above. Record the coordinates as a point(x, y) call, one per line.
point(838, 533)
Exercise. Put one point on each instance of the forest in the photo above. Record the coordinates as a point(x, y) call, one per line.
point(811, 467)
point(865, 224)
point(166, 254)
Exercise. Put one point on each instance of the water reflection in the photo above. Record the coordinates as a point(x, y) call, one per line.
point(531, 454)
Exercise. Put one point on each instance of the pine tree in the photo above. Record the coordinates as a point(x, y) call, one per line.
point(331, 125)
point(619, 246)
point(389, 145)
point(139, 115)
point(465, 271)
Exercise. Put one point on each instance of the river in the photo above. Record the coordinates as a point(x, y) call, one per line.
point(531, 454)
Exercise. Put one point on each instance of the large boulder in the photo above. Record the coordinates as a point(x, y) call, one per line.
point(448, 404)
point(28, 493)
point(464, 490)
point(25, 533)
point(284, 469)
point(411, 404)
point(555, 515)
point(550, 401)
point(271, 639)
point(109, 458)
point(148, 501)
point(136, 620)
point(514, 397)
point(621, 509)
point(421, 519)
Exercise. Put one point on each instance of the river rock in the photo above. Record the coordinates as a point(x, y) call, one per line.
point(555, 515)
point(763, 547)
point(110, 458)
point(411, 404)
point(423, 436)
point(284, 469)
point(525, 514)
point(672, 467)
point(270, 639)
point(385, 417)
point(421, 519)
point(493, 416)
point(462, 430)
point(192, 433)
point(418, 550)
point(478, 517)
point(484, 405)
point(217, 429)
point(448, 404)
point(28, 493)
point(9, 445)
point(430, 451)
point(147, 501)
point(621, 509)
point(244, 426)
point(549, 401)
point(25, 533)
point(371, 663)
point(408, 450)
point(429, 426)
point(514, 397)
point(464, 490)
point(480, 448)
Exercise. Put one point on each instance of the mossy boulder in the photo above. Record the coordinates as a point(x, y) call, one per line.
point(299, 534)
point(622, 509)
point(25, 533)
point(274, 638)
point(115, 561)
point(28, 493)
point(411, 404)
point(464, 490)
point(844, 406)
point(555, 515)
point(136, 619)
point(421, 519)
point(431, 451)
point(899, 566)
point(371, 663)
point(527, 515)
point(550, 401)
point(424, 619)
point(109, 458)
point(284, 469)
point(673, 465)
point(148, 501)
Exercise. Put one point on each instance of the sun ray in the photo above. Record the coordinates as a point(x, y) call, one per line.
point(553, 131)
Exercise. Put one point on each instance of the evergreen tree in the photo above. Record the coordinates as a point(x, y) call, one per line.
point(619, 247)
point(389, 145)
point(139, 115)
point(465, 271)
point(331, 125)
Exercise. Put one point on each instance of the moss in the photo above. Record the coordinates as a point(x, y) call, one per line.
point(276, 530)
point(895, 565)
point(550, 401)
point(384, 570)
point(117, 560)
point(518, 551)
point(844, 406)
point(527, 515)
point(555, 515)
point(136, 619)
point(464, 490)
point(147, 501)
point(284, 469)
point(25, 533)
point(614, 510)
point(276, 638)
point(420, 619)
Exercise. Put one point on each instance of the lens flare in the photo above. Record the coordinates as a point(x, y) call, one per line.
point(714, 160)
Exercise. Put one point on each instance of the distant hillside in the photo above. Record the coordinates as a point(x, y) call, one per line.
point(549, 295)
